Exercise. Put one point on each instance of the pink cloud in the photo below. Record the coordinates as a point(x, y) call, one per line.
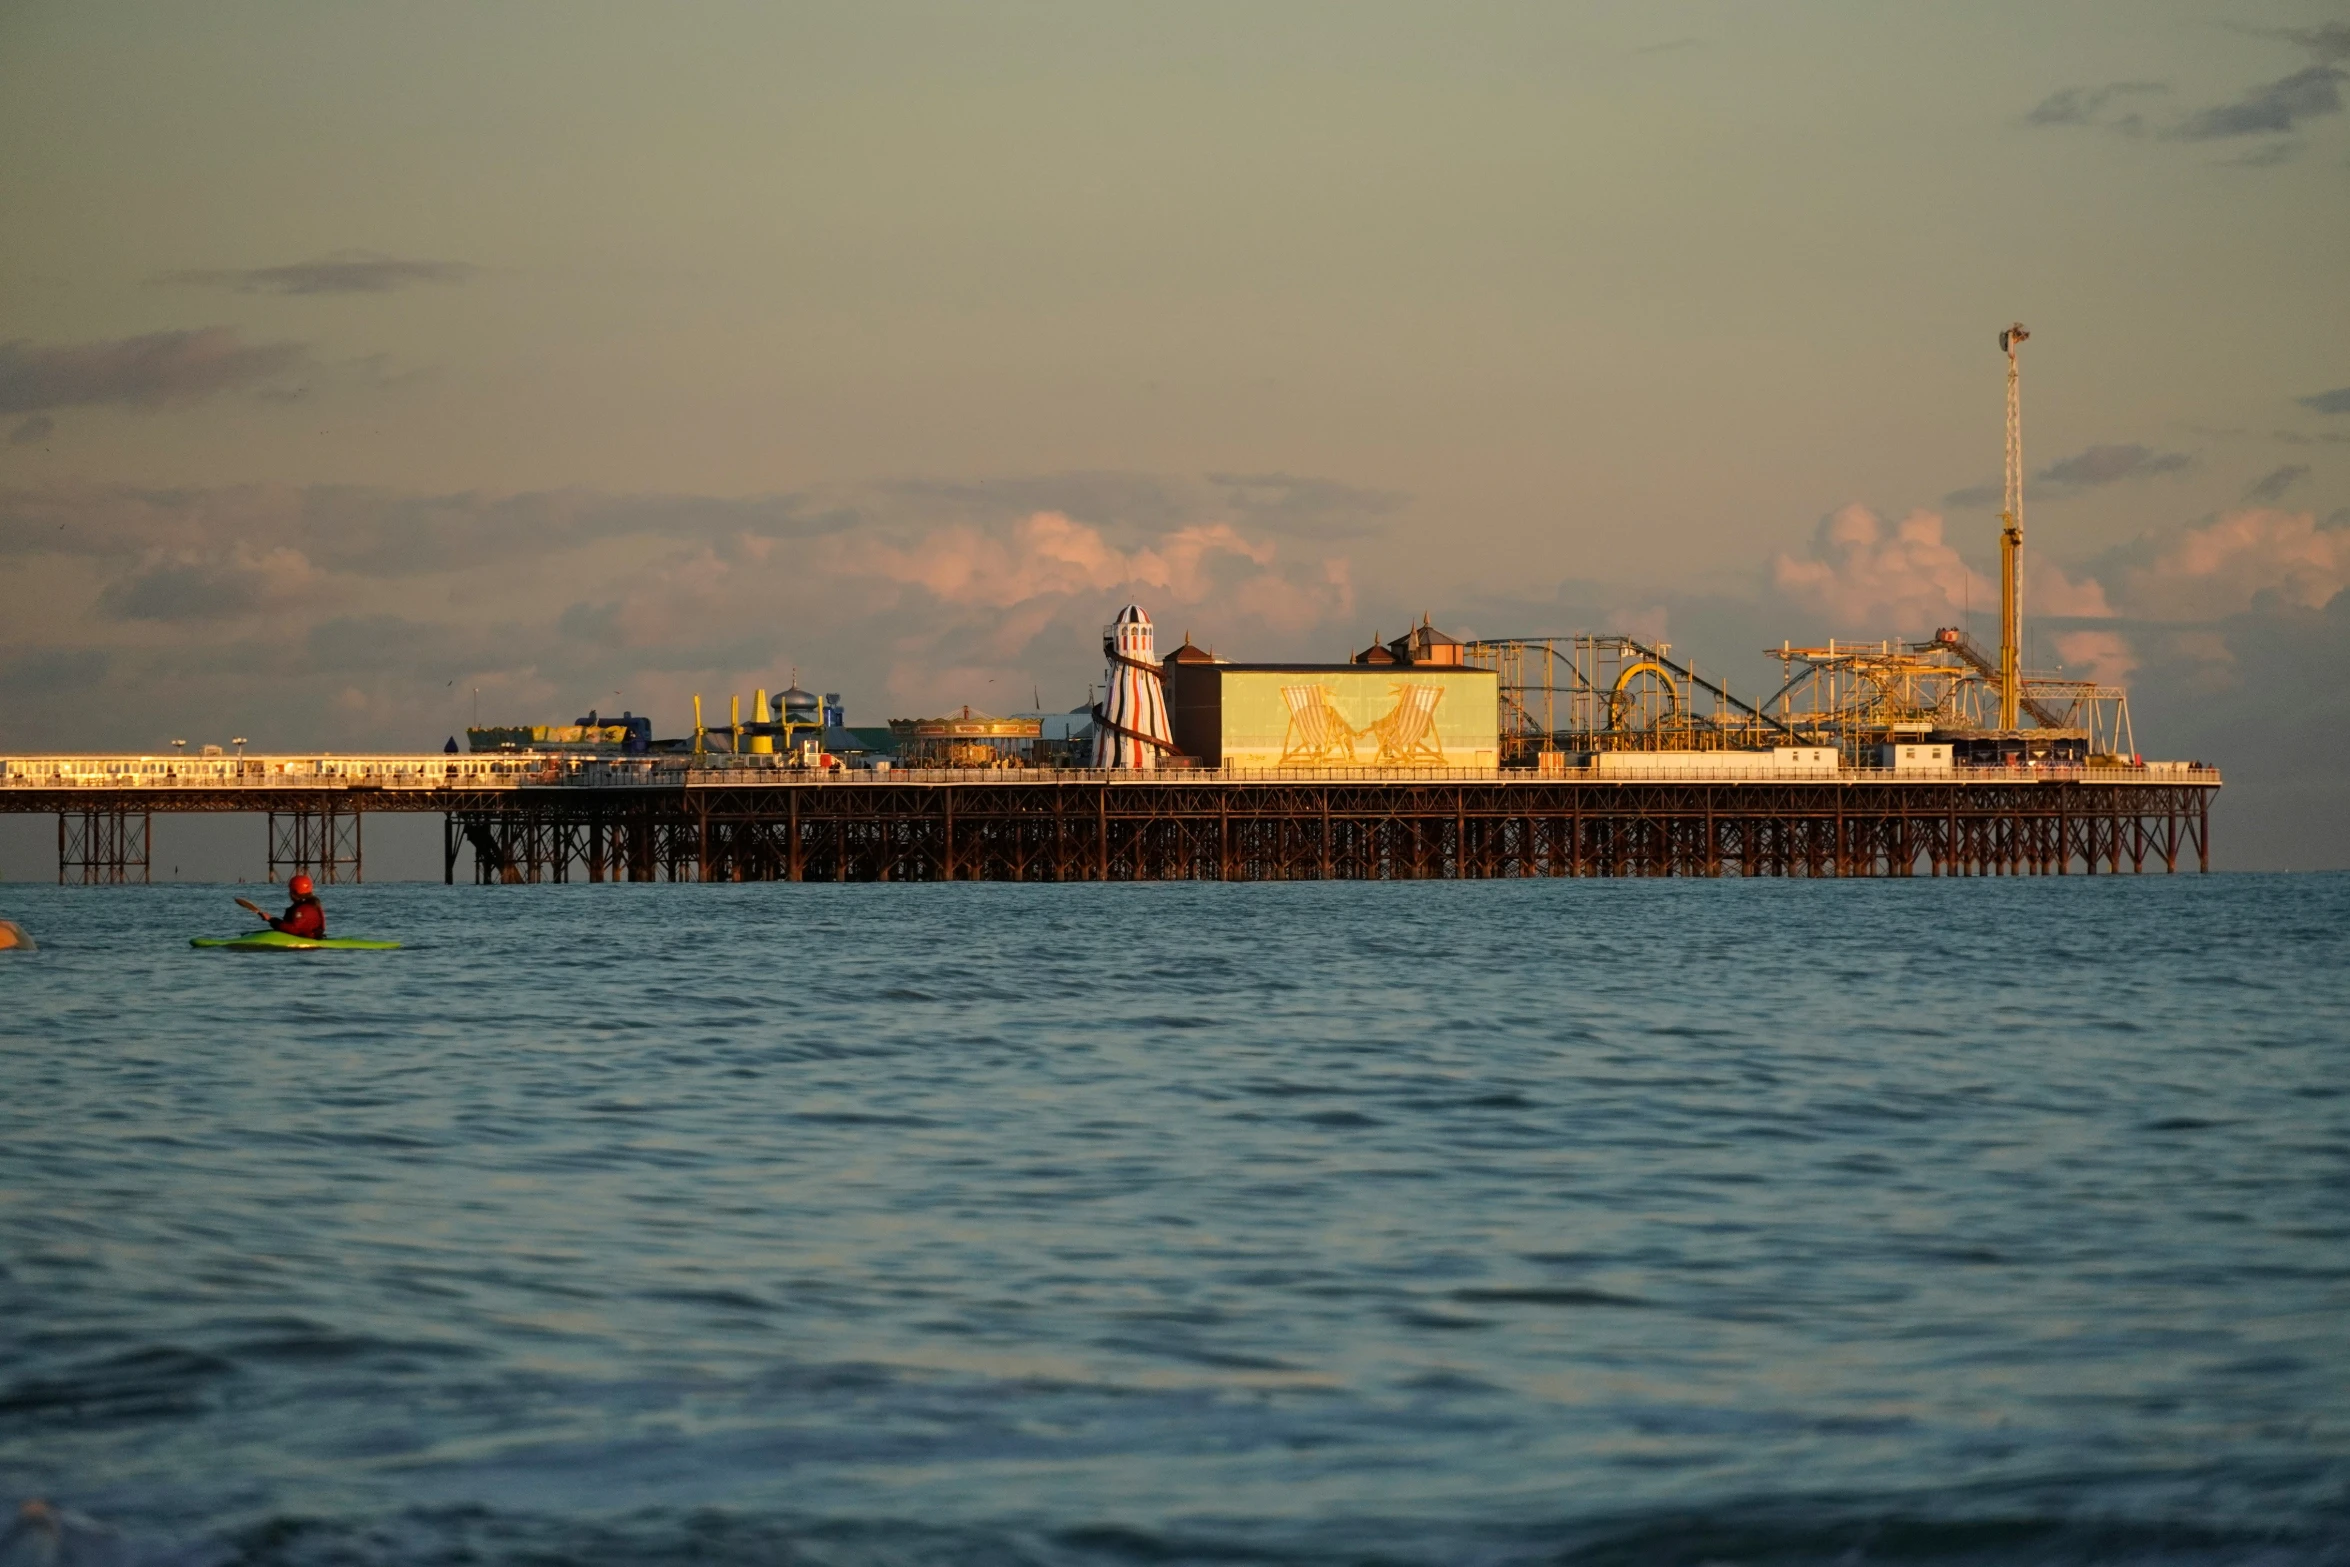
point(1862, 573)
point(1047, 554)
point(2103, 656)
point(1646, 624)
point(995, 593)
point(2048, 591)
point(2219, 567)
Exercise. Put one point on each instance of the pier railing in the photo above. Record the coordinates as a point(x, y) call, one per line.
point(324, 771)
point(541, 816)
point(529, 770)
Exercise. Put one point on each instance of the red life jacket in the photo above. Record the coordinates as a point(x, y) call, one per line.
point(306, 918)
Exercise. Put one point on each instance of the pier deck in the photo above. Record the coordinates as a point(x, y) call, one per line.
point(554, 818)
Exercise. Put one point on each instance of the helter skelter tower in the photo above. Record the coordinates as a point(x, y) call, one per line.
point(2011, 544)
point(1130, 722)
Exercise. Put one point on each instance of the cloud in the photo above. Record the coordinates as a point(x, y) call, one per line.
point(344, 272)
point(2268, 109)
point(2328, 41)
point(997, 603)
point(2271, 108)
point(2107, 464)
point(2268, 155)
point(2049, 591)
point(354, 615)
point(359, 644)
point(2270, 487)
point(1122, 501)
point(1306, 507)
point(967, 610)
point(137, 372)
point(2103, 656)
point(1049, 554)
point(2225, 565)
point(2086, 105)
point(33, 431)
point(1862, 573)
point(49, 668)
point(2266, 694)
point(1670, 46)
point(2083, 470)
point(2336, 401)
point(1131, 521)
point(1293, 505)
point(185, 585)
point(395, 535)
point(1044, 553)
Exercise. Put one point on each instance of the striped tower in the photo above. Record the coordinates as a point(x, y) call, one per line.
point(1130, 722)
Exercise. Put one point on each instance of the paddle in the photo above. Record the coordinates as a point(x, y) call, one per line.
point(255, 907)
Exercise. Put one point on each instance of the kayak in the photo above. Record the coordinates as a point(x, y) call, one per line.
point(279, 941)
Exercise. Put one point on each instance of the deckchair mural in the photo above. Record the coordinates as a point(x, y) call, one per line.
point(1317, 731)
point(1319, 734)
point(1407, 735)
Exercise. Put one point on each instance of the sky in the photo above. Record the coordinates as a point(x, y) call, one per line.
point(360, 365)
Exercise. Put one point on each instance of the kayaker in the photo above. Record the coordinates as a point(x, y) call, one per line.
point(305, 916)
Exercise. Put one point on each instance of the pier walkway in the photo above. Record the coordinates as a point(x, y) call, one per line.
point(549, 817)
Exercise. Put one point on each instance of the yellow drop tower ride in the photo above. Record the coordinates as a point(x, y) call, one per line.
point(2011, 544)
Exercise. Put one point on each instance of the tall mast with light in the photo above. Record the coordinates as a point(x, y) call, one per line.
point(2011, 544)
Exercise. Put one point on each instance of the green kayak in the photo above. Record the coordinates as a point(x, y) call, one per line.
point(279, 941)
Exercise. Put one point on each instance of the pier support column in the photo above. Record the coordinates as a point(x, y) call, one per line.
point(103, 847)
point(324, 844)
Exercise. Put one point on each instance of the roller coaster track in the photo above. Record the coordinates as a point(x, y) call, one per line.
point(1492, 647)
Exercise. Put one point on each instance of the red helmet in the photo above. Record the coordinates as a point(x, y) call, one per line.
point(300, 886)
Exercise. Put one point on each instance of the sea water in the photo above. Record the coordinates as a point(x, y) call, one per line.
point(1600, 1221)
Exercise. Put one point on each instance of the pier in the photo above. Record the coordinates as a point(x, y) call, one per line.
point(550, 818)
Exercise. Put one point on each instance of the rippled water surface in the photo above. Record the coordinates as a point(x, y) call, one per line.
point(1499, 1222)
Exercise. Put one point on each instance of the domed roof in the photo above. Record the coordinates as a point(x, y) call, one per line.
point(795, 701)
point(1131, 615)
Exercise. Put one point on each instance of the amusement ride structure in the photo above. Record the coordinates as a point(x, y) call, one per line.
point(1571, 695)
point(1130, 722)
